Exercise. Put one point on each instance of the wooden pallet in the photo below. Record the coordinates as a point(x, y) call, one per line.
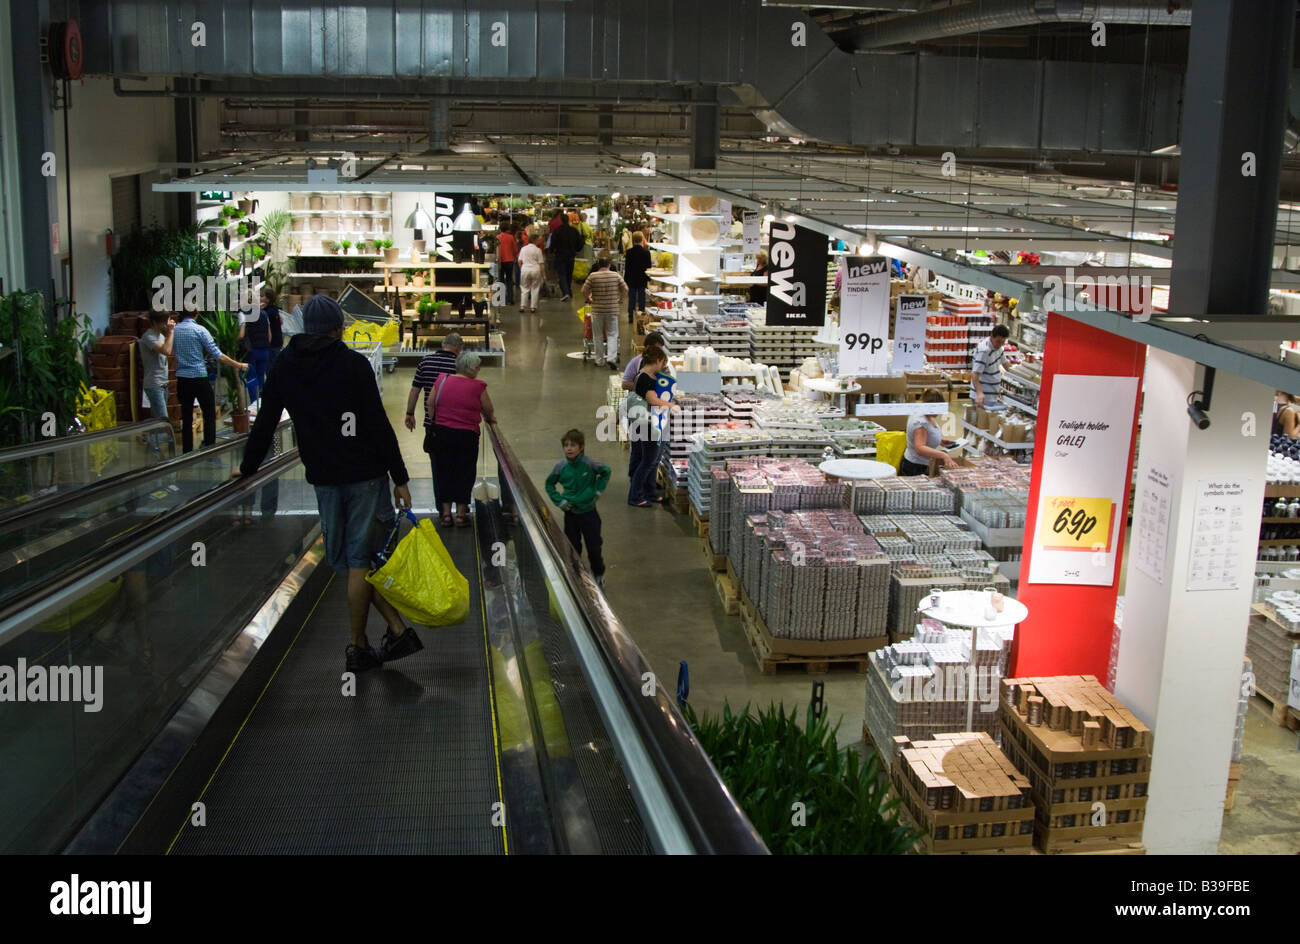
point(675, 499)
point(761, 642)
point(1109, 844)
point(726, 591)
point(1234, 780)
point(717, 563)
point(701, 522)
point(1283, 714)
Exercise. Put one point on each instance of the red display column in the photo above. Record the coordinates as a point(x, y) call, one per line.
point(1070, 627)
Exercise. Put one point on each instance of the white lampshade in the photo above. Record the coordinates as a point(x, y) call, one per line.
point(466, 221)
point(419, 218)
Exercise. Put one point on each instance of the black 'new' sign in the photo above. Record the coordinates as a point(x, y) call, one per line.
point(796, 276)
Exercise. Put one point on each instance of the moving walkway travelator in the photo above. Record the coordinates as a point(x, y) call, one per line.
point(223, 720)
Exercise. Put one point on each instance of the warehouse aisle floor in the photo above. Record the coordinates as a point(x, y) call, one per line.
point(659, 586)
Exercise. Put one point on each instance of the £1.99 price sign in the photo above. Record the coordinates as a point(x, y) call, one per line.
point(1071, 523)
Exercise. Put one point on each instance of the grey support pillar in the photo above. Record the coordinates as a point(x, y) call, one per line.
point(34, 124)
point(1234, 115)
point(1184, 634)
point(706, 124)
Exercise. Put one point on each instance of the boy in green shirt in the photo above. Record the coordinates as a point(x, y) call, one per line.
point(575, 484)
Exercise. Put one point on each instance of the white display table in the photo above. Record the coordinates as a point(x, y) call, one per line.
point(856, 469)
point(831, 386)
point(968, 609)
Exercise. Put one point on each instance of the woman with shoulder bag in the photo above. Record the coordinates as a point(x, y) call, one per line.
point(456, 402)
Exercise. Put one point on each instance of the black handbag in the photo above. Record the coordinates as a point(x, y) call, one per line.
point(429, 434)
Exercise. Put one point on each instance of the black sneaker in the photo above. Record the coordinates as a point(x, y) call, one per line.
point(361, 659)
point(396, 647)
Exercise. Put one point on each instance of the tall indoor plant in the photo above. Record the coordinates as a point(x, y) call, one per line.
point(224, 328)
point(48, 375)
point(771, 764)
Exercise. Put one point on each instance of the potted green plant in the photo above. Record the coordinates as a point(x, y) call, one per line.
point(391, 252)
point(242, 229)
point(233, 266)
point(854, 813)
point(224, 328)
point(347, 246)
point(330, 246)
point(425, 307)
point(52, 374)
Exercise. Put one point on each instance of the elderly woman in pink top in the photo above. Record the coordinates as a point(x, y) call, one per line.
point(456, 402)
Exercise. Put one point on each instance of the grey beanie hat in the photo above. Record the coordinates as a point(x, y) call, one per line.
point(321, 315)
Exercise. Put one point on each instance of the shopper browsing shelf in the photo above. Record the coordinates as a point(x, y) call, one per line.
point(532, 273)
point(924, 439)
point(653, 339)
point(604, 291)
point(191, 341)
point(648, 406)
point(1286, 416)
point(636, 262)
point(986, 366)
point(758, 293)
point(350, 452)
point(456, 403)
point(575, 485)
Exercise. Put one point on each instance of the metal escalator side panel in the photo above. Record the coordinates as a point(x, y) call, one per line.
point(684, 804)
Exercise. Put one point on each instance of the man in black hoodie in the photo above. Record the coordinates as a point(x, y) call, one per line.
point(349, 450)
point(566, 243)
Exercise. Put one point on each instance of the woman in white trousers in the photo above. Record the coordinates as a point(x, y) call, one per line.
point(532, 272)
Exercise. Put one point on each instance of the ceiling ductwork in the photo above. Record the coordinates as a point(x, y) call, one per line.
point(696, 54)
point(980, 16)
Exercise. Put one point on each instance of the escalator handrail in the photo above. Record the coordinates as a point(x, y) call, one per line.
point(56, 501)
point(62, 590)
point(61, 443)
point(704, 805)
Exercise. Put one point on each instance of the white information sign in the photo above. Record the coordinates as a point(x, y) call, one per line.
point(749, 232)
point(864, 317)
point(1151, 522)
point(1223, 531)
point(1085, 443)
point(909, 332)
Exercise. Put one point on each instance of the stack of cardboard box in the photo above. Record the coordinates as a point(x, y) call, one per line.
point(964, 794)
point(1087, 757)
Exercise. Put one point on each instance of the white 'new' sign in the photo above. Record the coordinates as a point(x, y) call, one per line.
point(909, 332)
point(864, 317)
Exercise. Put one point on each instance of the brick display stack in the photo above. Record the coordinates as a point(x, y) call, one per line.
point(1087, 758)
point(964, 794)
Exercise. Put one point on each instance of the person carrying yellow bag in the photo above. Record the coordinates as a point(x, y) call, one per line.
point(419, 579)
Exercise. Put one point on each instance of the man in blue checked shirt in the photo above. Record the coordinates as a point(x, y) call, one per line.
point(192, 344)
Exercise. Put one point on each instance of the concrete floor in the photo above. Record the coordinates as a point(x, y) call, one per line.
point(658, 584)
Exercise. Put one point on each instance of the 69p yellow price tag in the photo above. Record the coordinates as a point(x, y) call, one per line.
point(1072, 523)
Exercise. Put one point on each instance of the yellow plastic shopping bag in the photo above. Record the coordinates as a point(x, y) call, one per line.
point(420, 580)
point(890, 446)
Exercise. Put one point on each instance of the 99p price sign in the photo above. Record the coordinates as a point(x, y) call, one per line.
point(864, 317)
point(1076, 524)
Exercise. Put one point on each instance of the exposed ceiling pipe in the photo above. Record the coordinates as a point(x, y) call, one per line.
point(979, 17)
